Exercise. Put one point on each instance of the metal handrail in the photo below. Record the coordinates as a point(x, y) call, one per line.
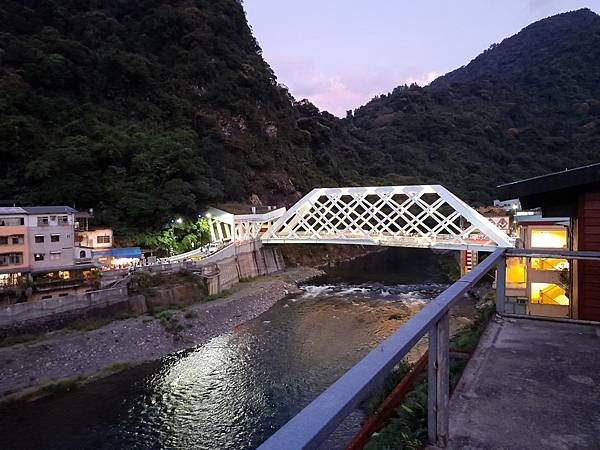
point(311, 426)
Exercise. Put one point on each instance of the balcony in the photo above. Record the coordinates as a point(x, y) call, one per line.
point(49, 285)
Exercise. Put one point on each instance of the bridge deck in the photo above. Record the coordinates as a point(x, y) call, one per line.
point(531, 385)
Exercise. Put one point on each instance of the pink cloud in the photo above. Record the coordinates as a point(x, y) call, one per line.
point(339, 92)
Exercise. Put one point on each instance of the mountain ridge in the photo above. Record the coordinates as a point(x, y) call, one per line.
point(149, 110)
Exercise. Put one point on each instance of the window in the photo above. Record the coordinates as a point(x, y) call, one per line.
point(17, 239)
point(54, 256)
point(515, 272)
point(16, 258)
point(103, 239)
point(3, 240)
point(39, 239)
point(549, 264)
point(42, 221)
point(46, 297)
point(55, 238)
point(11, 258)
point(38, 257)
point(64, 294)
point(52, 218)
point(63, 220)
point(12, 221)
point(82, 254)
point(541, 238)
point(548, 294)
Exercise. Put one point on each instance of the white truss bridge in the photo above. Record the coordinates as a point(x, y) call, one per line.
point(425, 216)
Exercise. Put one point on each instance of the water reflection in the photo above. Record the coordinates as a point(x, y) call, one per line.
point(234, 391)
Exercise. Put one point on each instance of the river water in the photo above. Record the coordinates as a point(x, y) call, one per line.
point(238, 388)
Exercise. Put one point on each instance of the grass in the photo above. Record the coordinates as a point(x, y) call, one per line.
point(59, 387)
point(88, 325)
point(19, 339)
point(116, 367)
point(407, 430)
point(170, 322)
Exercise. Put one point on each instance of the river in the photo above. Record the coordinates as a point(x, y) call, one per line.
point(238, 388)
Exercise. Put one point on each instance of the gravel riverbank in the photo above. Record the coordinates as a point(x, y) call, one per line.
point(63, 356)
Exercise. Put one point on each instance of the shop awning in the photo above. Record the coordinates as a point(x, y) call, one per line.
point(128, 252)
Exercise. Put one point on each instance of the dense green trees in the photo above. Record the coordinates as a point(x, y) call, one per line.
point(178, 236)
point(149, 110)
point(142, 110)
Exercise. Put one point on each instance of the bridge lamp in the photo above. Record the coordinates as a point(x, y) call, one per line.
point(208, 215)
point(179, 220)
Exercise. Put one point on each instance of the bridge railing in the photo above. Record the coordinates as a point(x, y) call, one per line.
point(309, 428)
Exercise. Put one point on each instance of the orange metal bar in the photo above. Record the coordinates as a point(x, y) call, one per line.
point(377, 421)
point(387, 408)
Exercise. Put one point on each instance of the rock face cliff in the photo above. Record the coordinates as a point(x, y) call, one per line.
point(148, 109)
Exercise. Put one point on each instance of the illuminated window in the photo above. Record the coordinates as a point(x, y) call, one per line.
point(515, 271)
point(549, 264)
point(64, 274)
point(103, 239)
point(549, 238)
point(548, 294)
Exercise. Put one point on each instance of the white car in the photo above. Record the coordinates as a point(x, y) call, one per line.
point(213, 247)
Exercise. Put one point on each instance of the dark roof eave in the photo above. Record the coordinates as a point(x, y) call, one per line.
point(558, 181)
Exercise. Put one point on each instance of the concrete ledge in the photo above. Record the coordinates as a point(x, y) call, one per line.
point(530, 385)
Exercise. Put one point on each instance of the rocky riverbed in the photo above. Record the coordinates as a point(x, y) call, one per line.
point(24, 368)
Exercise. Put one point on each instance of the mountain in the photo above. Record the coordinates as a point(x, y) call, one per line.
point(145, 110)
point(524, 107)
point(149, 109)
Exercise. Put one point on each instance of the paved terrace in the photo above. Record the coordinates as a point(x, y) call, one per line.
point(532, 385)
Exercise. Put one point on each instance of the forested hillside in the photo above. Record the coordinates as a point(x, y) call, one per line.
point(147, 109)
point(526, 106)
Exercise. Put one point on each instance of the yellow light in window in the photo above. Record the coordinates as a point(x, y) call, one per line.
point(515, 270)
point(548, 294)
point(64, 274)
point(549, 238)
point(549, 264)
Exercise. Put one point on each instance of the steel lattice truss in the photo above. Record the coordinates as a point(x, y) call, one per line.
point(426, 216)
point(251, 226)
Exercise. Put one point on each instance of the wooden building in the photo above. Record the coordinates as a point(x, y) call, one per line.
point(574, 194)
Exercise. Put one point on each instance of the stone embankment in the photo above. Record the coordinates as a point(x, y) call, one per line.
point(63, 356)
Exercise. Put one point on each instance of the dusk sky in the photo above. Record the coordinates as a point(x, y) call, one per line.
point(341, 53)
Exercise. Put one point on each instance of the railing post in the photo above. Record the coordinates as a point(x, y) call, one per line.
point(501, 285)
point(438, 380)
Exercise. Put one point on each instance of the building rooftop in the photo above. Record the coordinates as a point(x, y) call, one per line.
point(565, 179)
point(537, 219)
point(555, 193)
point(11, 210)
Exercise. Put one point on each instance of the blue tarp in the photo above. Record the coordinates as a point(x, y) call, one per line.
point(128, 252)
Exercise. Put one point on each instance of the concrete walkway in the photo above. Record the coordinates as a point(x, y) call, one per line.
point(531, 385)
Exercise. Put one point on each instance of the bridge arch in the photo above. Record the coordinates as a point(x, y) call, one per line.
point(423, 216)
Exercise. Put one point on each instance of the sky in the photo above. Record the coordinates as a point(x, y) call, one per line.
point(341, 53)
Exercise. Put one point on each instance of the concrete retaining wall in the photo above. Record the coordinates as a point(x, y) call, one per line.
point(226, 273)
point(22, 312)
point(222, 271)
